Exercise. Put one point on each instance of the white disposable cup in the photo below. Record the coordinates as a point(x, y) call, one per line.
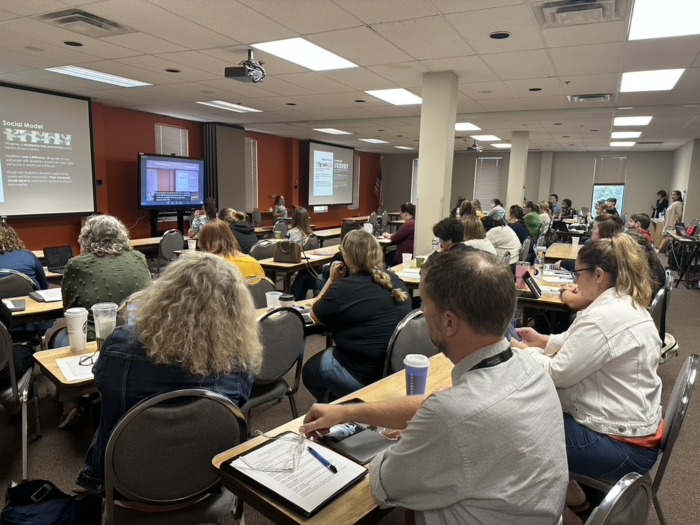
point(191, 244)
point(574, 241)
point(406, 259)
point(105, 315)
point(416, 367)
point(273, 299)
point(368, 227)
point(76, 322)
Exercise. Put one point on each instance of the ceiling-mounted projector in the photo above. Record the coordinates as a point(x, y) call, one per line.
point(249, 70)
point(474, 147)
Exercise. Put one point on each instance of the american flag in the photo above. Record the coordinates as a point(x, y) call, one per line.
point(378, 190)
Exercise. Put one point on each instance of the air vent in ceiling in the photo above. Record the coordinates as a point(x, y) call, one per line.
point(85, 23)
point(593, 97)
point(565, 13)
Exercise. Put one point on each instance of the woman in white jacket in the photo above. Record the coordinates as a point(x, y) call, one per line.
point(604, 366)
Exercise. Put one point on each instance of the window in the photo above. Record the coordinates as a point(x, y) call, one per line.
point(609, 176)
point(608, 191)
point(251, 173)
point(487, 179)
point(171, 140)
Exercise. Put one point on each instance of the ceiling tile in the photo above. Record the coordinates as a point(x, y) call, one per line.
point(585, 34)
point(372, 12)
point(660, 53)
point(468, 68)
point(314, 82)
point(144, 43)
point(550, 86)
point(424, 38)
point(457, 6)
point(360, 45)
point(587, 60)
point(305, 16)
point(402, 74)
point(520, 64)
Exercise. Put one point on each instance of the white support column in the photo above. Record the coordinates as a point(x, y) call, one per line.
point(546, 175)
point(517, 169)
point(435, 154)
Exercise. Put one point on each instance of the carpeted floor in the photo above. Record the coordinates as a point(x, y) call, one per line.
point(58, 455)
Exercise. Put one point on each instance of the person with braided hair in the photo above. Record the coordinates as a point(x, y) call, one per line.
point(362, 303)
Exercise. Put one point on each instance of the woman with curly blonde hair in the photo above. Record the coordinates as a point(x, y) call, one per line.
point(15, 256)
point(195, 328)
point(362, 303)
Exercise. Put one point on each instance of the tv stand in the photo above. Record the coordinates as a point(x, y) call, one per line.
point(155, 214)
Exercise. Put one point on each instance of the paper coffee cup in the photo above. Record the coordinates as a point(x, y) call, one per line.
point(574, 241)
point(286, 299)
point(273, 299)
point(416, 367)
point(76, 322)
point(191, 244)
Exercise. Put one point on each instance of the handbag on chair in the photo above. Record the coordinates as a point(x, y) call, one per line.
point(287, 252)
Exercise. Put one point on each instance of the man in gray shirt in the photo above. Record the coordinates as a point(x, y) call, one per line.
point(556, 207)
point(490, 449)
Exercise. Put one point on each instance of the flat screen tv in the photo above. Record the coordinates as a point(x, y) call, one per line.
point(170, 183)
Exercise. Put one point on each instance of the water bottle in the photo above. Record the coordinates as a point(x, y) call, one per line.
point(436, 244)
point(540, 250)
point(457, 213)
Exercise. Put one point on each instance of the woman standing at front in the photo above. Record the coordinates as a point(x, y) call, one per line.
point(674, 215)
point(604, 366)
point(362, 303)
point(403, 239)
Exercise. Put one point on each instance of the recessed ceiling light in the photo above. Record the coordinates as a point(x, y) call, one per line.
point(172, 70)
point(535, 89)
point(398, 97)
point(652, 19)
point(558, 123)
point(485, 138)
point(499, 35)
point(466, 126)
point(228, 106)
point(291, 103)
point(565, 136)
point(360, 100)
point(305, 54)
point(622, 144)
point(97, 76)
point(631, 121)
point(374, 141)
point(658, 80)
point(625, 134)
point(485, 91)
point(501, 146)
point(73, 43)
point(403, 147)
point(333, 131)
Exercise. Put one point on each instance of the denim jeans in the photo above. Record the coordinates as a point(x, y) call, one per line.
point(600, 457)
point(322, 373)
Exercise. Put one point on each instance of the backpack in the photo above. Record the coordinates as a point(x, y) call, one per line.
point(40, 502)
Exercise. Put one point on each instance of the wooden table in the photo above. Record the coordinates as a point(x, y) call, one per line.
point(47, 362)
point(357, 504)
point(36, 311)
point(359, 218)
point(324, 235)
point(39, 254)
point(317, 257)
point(411, 280)
point(689, 253)
point(396, 224)
point(562, 251)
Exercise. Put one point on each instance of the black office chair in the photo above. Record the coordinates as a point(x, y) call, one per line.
point(158, 459)
point(18, 393)
point(410, 337)
point(284, 341)
point(628, 502)
point(525, 250)
point(14, 284)
point(256, 216)
point(280, 226)
point(258, 287)
point(172, 241)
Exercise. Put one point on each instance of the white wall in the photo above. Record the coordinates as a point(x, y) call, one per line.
point(681, 168)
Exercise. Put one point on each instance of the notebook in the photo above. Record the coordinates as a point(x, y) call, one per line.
point(15, 305)
point(51, 295)
point(56, 258)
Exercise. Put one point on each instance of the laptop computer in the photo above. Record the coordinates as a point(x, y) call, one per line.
point(56, 258)
point(560, 226)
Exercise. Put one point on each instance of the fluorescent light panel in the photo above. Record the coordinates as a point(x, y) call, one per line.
point(625, 134)
point(398, 97)
point(658, 80)
point(631, 121)
point(97, 76)
point(622, 144)
point(333, 131)
point(466, 126)
point(404, 147)
point(374, 141)
point(501, 146)
point(485, 138)
point(305, 54)
point(228, 106)
point(654, 19)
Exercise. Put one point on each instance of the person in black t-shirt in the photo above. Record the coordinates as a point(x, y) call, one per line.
point(362, 303)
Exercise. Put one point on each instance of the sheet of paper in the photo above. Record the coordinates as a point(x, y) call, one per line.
point(310, 484)
point(558, 277)
point(72, 369)
point(50, 295)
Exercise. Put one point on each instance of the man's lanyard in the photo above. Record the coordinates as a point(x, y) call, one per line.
point(494, 360)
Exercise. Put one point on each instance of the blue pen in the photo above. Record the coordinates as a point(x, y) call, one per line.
point(323, 460)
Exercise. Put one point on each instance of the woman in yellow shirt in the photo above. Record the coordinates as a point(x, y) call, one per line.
point(216, 238)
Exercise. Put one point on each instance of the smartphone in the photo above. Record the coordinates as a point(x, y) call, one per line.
point(512, 333)
point(532, 285)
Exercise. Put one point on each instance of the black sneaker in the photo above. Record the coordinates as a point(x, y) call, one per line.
point(68, 419)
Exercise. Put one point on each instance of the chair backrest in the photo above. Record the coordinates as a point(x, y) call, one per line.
point(374, 221)
point(410, 337)
point(668, 286)
point(311, 242)
point(385, 220)
point(257, 217)
point(14, 284)
point(280, 226)
point(263, 249)
point(172, 240)
point(525, 249)
point(126, 313)
point(675, 414)
point(49, 340)
point(258, 287)
point(657, 310)
point(506, 257)
point(57, 256)
point(7, 361)
point(629, 501)
point(283, 338)
point(160, 451)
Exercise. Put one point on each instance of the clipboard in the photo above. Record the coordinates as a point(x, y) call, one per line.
point(330, 487)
